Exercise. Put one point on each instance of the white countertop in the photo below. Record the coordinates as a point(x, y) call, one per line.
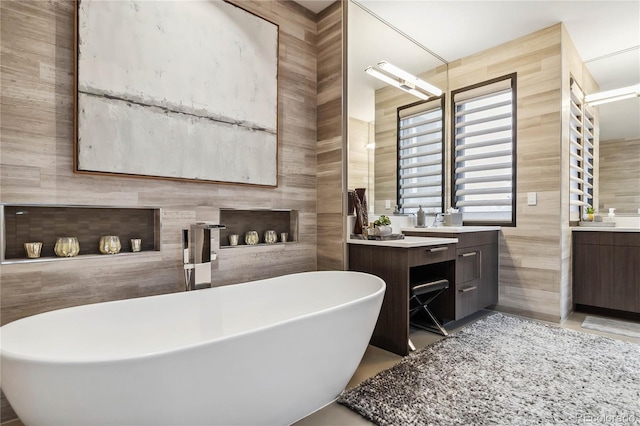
point(605, 229)
point(452, 229)
point(407, 242)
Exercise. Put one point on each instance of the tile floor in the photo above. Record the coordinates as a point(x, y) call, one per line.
point(376, 360)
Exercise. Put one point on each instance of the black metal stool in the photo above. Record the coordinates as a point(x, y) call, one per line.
point(421, 295)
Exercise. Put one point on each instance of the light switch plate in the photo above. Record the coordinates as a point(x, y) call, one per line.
point(387, 204)
point(532, 198)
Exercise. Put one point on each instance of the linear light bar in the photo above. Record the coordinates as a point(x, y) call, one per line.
point(612, 95)
point(392, 69)
point(380, 76)
point(393, 82)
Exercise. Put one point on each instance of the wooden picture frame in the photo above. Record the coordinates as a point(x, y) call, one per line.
point(176, 90)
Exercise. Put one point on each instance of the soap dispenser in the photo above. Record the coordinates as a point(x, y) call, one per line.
point(421, 218)
point(611, 217)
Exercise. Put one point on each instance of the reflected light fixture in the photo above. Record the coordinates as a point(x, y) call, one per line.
point(400, 73)
point(400, 84)
point(612, 95)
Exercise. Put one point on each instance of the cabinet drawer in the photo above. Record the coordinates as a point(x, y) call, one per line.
point(468, 265)
point(470, 239)
point(432, 254)
point(466, 300)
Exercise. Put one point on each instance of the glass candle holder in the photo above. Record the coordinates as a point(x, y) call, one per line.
point(67, 247)
point(270, 237)
point(251, 238)
point(136, 244)
point(110, 244)
point(33, 249)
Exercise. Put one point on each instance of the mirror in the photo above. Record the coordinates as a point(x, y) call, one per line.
point(619, 153)
point(619, 162)
point(371, 133)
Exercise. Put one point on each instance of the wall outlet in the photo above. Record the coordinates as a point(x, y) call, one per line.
point(532, 198)
point(387, 204)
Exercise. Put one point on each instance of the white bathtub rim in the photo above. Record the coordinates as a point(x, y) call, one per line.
point(48, 360)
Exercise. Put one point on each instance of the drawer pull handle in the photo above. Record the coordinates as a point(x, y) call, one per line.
point(473, 253)
point(466, 289)
point(433, 250)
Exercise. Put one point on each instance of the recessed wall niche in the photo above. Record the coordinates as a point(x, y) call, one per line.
point(47, 223)
point(240, 222)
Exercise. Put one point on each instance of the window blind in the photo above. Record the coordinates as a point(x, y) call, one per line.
point(576, 180)
point(420, 156)
point(589, 137)
point(484, 151)
point(582, 142)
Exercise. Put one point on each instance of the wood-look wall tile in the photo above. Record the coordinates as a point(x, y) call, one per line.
point(331, 179)
point(37, 64)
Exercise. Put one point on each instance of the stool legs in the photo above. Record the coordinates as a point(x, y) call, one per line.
point(422, 306)
point(439, 326)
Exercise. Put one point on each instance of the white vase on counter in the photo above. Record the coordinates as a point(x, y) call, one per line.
point(383, 230)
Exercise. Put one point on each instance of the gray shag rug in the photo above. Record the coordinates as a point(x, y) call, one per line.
point(503, 370)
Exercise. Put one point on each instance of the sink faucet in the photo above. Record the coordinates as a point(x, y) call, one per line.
point(438, 220)
point(197, 255)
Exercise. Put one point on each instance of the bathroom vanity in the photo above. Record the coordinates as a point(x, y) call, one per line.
point(606, 269)
point(466, 256)
point(476, 267)
point(401, 263)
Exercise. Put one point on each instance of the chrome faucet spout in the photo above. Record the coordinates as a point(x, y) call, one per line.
point(438, 220)
point(198, 254)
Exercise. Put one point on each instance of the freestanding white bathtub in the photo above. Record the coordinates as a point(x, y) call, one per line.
point(265, 352)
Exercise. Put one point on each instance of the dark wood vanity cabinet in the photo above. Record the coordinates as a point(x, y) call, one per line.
point(606, 270)
point(470, 266)
point(400, 268)
point(476, 270)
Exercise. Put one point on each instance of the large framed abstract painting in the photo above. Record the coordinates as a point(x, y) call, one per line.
point(176, 90)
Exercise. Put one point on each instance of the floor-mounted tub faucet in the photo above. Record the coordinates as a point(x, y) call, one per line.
point(197, 255)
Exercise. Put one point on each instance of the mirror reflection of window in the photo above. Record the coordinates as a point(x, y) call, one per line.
point(421, 156)
point(371, 41)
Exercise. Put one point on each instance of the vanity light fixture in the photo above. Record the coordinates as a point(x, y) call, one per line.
point(400, 84)
point(400, 73)
point(613, 95)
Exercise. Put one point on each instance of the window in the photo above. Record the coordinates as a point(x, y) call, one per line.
point(484, 152)
point(421, 156)
point(589, 127)
point(581, 153)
